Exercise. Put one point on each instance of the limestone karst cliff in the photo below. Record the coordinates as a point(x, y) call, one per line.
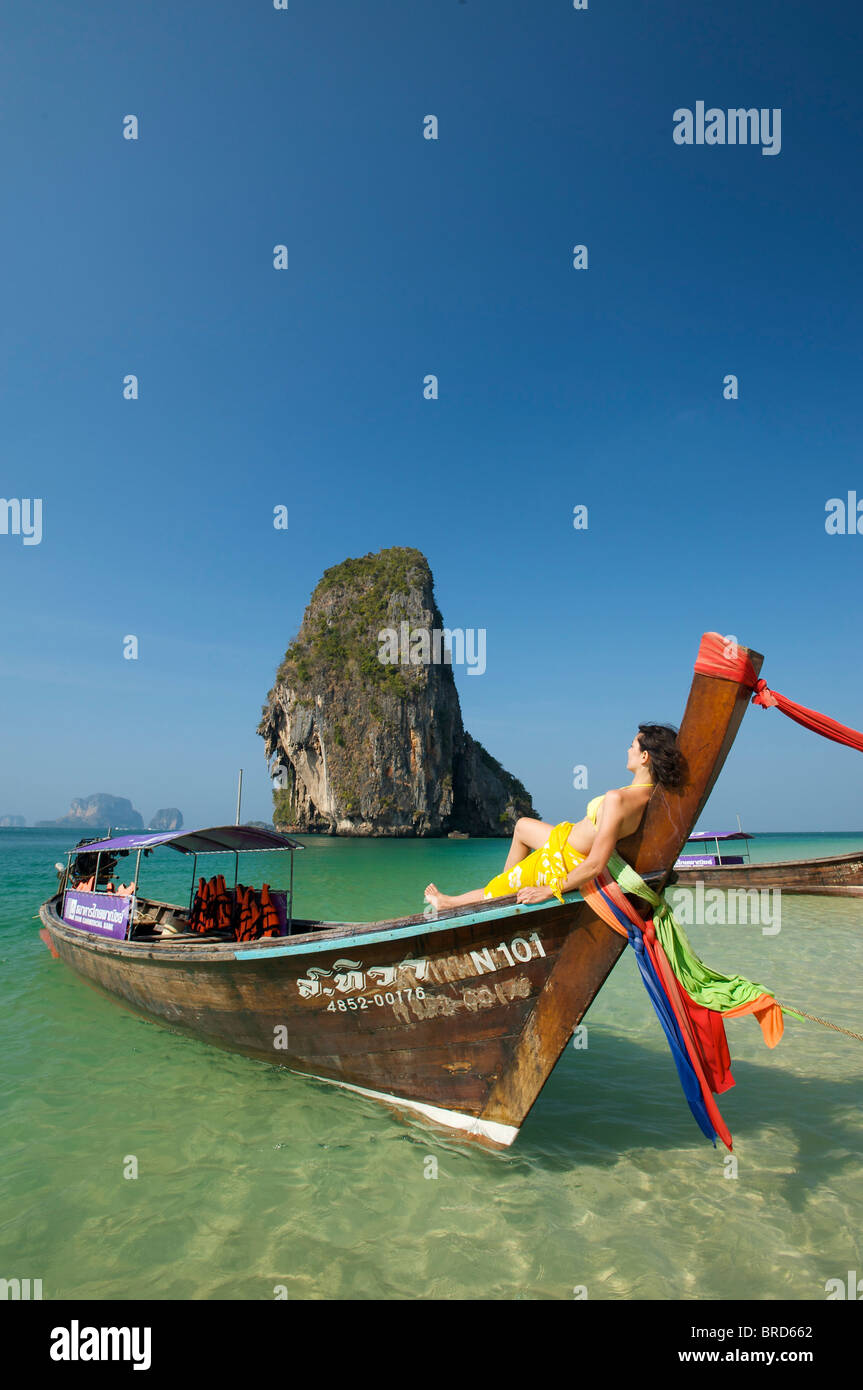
point(360, 746)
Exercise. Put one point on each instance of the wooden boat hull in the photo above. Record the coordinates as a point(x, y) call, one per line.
point(425, 1013)
point(836, 875)
point(461, 1018)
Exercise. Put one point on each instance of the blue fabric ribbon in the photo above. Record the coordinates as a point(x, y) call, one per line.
point(665, 1013)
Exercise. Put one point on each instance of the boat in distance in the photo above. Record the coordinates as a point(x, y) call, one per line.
point(833, 875)
point(459, 1017)
point(706, 857)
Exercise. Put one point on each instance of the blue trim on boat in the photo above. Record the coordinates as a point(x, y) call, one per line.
point(432, 924)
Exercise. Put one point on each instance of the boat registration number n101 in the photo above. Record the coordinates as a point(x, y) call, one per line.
point(518, 951)
point(389, 985)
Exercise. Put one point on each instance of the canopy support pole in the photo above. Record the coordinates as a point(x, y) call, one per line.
point(133, 907)
point(291, 896)
point(192, 894)
point(66, 882)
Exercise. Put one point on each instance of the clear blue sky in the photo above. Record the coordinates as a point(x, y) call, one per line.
point(406, 257)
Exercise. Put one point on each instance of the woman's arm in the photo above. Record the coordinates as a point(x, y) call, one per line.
point(608, 833)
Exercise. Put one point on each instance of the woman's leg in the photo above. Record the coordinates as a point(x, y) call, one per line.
point(440, 900)
point(527, 836)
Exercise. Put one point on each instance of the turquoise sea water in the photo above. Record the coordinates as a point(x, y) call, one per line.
point(250, 1178)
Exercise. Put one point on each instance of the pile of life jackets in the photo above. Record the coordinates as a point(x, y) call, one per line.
point(255, 914)
point(88, 885)
point(246, 913)
point(212, 907)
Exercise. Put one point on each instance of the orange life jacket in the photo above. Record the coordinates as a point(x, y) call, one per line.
point(223, 905)
point(202, 904)
point(195, 913)
point(270, 924)
point(244, 928)
point(212, 903)
point(239, 894)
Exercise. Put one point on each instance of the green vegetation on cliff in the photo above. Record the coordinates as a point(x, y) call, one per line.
point(331, 648)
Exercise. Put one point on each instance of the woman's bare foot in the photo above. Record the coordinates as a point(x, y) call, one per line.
point(437, 899)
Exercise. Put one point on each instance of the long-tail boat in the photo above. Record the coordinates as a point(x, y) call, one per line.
point(460, 1017)
point(833, 875)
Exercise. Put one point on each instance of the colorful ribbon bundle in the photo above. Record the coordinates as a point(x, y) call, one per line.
point(691, 1000)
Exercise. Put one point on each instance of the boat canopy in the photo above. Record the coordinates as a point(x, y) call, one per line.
point(727, 835)
point(234, 839)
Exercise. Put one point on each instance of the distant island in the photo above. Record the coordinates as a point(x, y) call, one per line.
point(96, 811)
point(362, 745)
point(99, 810)
point(7, 821)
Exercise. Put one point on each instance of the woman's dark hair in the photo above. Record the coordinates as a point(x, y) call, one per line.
point(667, 763)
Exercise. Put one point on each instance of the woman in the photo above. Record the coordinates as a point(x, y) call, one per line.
point(546, 861)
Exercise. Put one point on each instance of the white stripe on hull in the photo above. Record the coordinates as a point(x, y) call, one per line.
point(454, 1119)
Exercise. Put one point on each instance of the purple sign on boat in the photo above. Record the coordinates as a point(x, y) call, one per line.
point(106, 914)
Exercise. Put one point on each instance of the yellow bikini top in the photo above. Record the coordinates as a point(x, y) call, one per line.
point(594, 805)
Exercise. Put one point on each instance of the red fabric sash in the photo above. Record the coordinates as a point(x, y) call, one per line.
point(809, 718)
point(709, 1029)
point(721, 656)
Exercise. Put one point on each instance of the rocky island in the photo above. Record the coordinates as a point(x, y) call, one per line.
point(364, 733)
point(98, 810)
point(169, 818)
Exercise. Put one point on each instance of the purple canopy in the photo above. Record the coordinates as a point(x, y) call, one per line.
point(726, 835)
point(216, 839)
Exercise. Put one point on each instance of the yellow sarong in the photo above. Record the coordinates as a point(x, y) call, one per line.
point(547, 867)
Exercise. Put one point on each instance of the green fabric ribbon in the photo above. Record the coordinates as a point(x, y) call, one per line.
point(705, 986)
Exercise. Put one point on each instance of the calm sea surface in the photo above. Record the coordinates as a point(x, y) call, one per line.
point(251, 1178)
